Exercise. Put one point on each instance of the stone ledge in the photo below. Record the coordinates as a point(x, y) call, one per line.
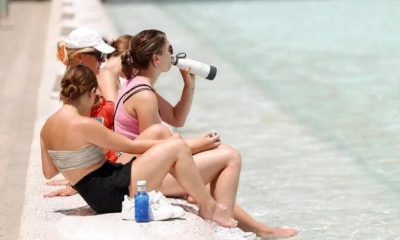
point(110, 226)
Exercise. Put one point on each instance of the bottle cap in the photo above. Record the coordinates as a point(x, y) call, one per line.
point(141, 183)
point(213, 72)
point(174, 59)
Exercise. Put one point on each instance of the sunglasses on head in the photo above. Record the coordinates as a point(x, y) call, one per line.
point(98, 55)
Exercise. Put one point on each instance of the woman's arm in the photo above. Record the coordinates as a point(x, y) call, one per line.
point(103, 137)
point(145, 106)
point(48, 167)
point(108, 84)
point(203, 143)
point(176, 115)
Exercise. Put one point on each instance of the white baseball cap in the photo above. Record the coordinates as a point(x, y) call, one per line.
point(84, 37)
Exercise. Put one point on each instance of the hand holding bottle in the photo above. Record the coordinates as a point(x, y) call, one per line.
point(189, 79)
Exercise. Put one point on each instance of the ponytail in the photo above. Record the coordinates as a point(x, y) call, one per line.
point(127, 64)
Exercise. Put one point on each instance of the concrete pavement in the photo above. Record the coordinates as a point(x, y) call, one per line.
point(21, 45)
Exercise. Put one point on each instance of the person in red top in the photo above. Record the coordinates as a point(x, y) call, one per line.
point(85, 46)
point(104, 113)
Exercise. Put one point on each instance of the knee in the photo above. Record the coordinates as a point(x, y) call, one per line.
point(159, 131)
point(180, 147)
point(233, 156)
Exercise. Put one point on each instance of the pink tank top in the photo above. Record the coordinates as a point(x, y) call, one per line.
point(124, 123)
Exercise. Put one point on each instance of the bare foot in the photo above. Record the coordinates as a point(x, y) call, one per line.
point(277, 233)
point(219, 214)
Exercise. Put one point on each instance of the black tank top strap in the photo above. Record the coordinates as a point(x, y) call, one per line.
point(139, 88)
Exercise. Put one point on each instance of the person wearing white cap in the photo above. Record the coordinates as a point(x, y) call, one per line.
point(84, 37)
point(83, 46)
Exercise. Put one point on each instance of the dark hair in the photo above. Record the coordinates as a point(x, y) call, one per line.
point(142, 47)
point(77, 80)
point(121, 44)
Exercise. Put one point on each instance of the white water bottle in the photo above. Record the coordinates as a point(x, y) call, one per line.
point(197, 68)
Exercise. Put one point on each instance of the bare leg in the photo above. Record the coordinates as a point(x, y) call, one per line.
point(248, 223)
point(211, 164)
point(224, 188)
point(175, 157)
point(156, 131)
point(220, 167)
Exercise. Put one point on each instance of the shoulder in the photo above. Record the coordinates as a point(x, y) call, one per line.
point(145, 99)
point(142, 93)
point(85, 124)
point(49, 124)
point(88, 128)
point(145, 93)
point(44, 130)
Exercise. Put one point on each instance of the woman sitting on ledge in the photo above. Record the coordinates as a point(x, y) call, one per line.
point(72, 143)
point(141, 107)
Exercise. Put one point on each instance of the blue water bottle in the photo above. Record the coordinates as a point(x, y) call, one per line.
point(141, 203)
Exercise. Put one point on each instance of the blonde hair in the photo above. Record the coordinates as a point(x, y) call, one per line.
point(67, 55)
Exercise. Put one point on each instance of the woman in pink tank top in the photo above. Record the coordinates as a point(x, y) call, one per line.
point(124, 122)
point(139, 107)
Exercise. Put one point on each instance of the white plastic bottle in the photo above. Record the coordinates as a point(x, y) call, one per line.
point(197, 68)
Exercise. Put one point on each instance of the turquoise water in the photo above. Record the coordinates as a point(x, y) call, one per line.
point(332, 66)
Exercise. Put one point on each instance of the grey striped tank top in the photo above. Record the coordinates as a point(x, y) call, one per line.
point(68, 160)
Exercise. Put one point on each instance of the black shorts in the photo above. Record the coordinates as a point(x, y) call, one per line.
point(104, 189)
